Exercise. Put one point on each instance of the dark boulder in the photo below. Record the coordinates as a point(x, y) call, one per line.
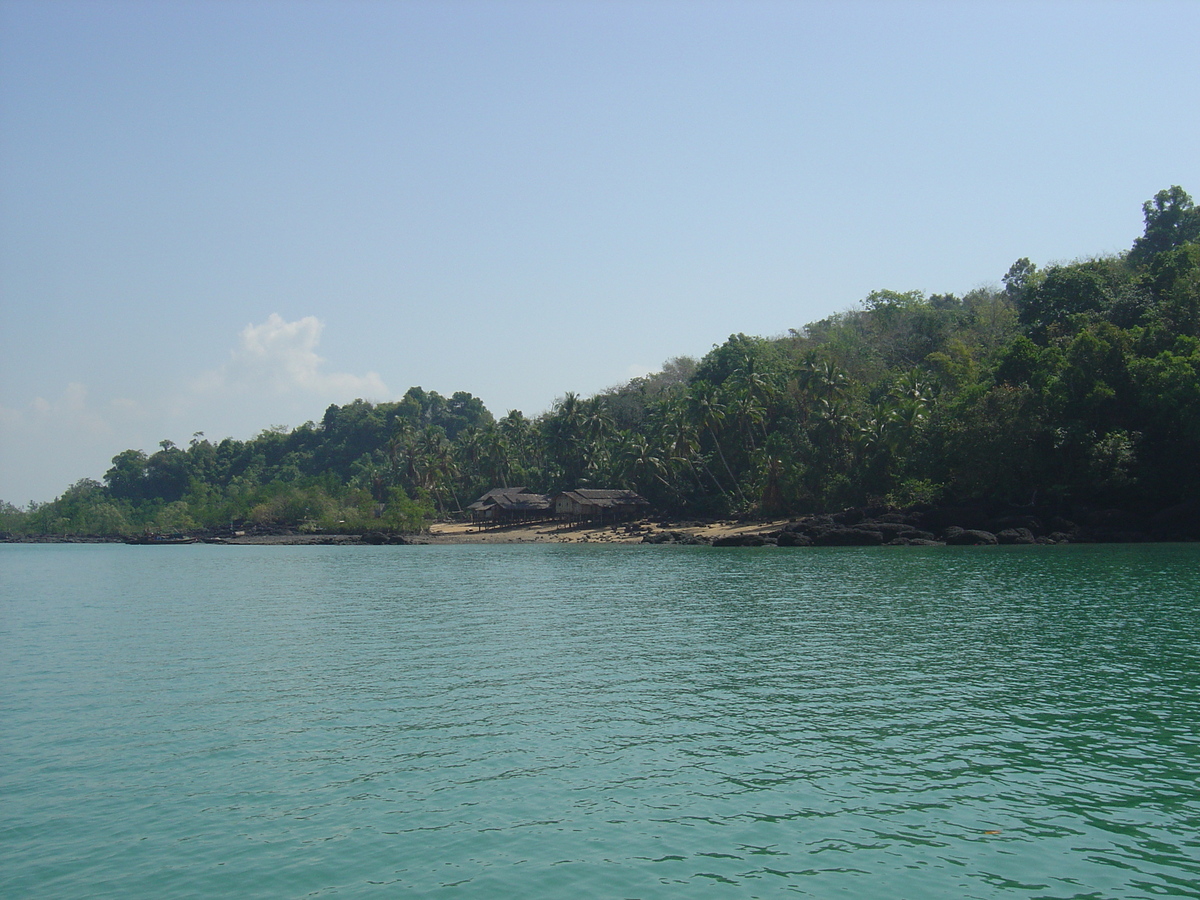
point(849, 517)
point(1060, 525)
point(740, 540)
point(1029, 523)
point(672, 537)
point(848, 537)
point(968, 537)
point(1016, 536)
point(793, 539)
point(895, 518)
point(890, 529)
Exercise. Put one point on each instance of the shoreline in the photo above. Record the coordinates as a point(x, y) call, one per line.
point(458, 533)
point(855, 527)
point(962, 525)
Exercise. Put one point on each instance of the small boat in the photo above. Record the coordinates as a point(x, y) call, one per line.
point(160, 539)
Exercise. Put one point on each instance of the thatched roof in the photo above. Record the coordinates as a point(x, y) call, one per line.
point(605, 498)
point(515, 499)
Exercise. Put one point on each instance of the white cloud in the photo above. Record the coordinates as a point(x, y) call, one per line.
point(281, 358)
point(273, 375)
point(50, 443)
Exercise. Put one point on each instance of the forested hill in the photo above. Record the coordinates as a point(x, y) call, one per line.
point(1071, 387)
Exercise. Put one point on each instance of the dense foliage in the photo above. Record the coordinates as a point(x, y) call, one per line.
point(1073, 385)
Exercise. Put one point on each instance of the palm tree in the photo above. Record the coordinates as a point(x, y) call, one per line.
point(568, 432)
point(517, 434)
point(639, 461)
point(437, 454)
point(674, 431)
point(401, 449)
point(709, 414)
point(497, 462)
point(753, 394)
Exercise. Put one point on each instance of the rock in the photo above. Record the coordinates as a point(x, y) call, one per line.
point(1028, 523)
point(890, 529)
point(849, 517)
point(848, 537)
point(793, 539)
point(739, 540)
point(968, 537)
point(1015, 536)
point(1061, 525)
point(896, 518)
point(672, 537)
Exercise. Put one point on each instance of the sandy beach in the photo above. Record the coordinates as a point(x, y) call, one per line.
point(540, 532)
point(550, 532)
point(466, 533)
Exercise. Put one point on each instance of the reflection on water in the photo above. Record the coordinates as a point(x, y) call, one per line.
point(610, 721)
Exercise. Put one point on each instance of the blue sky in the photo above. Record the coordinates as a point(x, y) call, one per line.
point(221, 216)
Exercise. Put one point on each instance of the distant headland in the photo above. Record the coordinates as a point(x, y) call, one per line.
point(1067, 396)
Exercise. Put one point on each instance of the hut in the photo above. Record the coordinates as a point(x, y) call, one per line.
point(598, 504)
point(507, 506)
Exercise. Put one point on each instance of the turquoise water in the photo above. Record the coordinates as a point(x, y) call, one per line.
point(625, 722)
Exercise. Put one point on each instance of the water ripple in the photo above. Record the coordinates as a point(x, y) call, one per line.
point(624, 722)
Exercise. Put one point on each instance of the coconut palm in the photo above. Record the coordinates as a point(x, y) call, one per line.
point(709, 414)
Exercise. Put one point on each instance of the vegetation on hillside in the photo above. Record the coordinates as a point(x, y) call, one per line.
point(1070, 386)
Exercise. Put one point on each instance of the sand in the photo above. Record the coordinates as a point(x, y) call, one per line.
point(541, 532)
point(547, 532)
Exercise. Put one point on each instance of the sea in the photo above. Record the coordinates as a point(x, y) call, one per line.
point(567, 721)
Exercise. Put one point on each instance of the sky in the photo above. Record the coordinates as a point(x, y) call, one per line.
point(223, 216)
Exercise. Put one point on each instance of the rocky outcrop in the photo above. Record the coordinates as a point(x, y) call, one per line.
point(855, 536)
point(855, 528)
point(1016, 536)
point(968, 537)
point(742, 540)
point(981, 525)
point(672, 537)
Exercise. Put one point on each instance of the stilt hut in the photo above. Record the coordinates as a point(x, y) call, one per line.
point(508, 506)
point(599, 505)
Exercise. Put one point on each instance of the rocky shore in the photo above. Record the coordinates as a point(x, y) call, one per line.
point(964, 525)
point(958, 526)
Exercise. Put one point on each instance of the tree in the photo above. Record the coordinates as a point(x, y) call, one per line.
point(1020, 275)
point(1066, 297)
point(709, 414)
point(1171, 221)
point(127, 477)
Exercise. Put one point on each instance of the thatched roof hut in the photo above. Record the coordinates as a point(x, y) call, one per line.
point(502, 506)
point(585, 504)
